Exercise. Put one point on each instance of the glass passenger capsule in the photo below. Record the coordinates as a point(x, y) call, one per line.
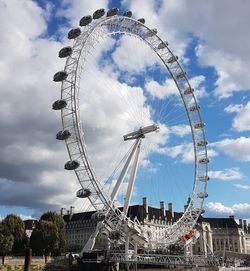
point(203, 161)
point(141, 20)
point(194, 107)
point(71, 165)
point(162, 45)
point(60, 76)
point(199, 125)
point(204, 178)
point(112, 12)
point(202, 195)
point(85, 20)
point(181, 74)
point(98, 13)
point(83, 193)
point(172, 59)
point(63, 135)
point(74, 33)
point(189, 90)
point(127, 14)
point(65, 52)
point(151, 33)
point(59, 104)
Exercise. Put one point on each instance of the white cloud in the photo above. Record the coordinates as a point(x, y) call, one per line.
point(32, 164)
point(197, 84)
point(217, 47)
point(241, 186)
point(32, 160)
point(211, 153)
point(233, 108)
point(133, 56)
point(25, 217)
point(185, 152)
point(127, 107)
point(75, 10)
point(168, 88)
point(228, 174)
point(149, 166)
point(241, 121)
point(218, 209)
point(159, 18)
point(229, 79)
point(161, 91)
point(238, 149)
point(180, 130)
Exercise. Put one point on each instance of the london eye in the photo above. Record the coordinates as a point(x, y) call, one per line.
point(121, 129)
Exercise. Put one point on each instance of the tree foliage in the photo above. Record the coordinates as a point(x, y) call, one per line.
point(44, 238)
point(49, 237)
point(58, 221)
point(6, 241)
point(15, 226)
point(54, 218)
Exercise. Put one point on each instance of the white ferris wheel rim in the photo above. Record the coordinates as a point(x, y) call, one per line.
point(77, 148)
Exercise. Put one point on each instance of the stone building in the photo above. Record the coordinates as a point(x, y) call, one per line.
point(204, 244)
point(29, 225)
point(247, 238)
point(216, 234)
point(220, 235)
point(79, 226)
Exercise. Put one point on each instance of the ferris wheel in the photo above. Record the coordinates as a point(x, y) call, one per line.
point(143, 138)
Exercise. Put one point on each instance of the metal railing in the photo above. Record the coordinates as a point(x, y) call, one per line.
point(161, 259)
point(155, 259)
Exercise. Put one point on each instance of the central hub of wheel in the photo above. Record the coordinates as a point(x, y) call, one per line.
point(140, 133)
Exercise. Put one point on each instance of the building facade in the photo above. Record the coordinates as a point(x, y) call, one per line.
point(29, 225)
point(80, 226)
point(217, 235)
point(247, 238)
point(222, 235)
point(204, 243)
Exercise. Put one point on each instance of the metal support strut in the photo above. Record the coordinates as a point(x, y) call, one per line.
point(138, 135)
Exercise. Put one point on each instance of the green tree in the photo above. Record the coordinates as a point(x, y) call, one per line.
point(6, 241)
point(58, 221)
point(44, 238)
point(16, 227)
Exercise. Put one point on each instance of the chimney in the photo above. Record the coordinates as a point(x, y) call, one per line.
point(231, 216)
point(170, 209)
point(162, 211)
point(72, 208)
point(68, 212)
point(245, 225)
point(145, 206)
point(63, 211)
point(241, 224)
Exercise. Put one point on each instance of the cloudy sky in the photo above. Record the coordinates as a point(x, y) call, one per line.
point(212, 41)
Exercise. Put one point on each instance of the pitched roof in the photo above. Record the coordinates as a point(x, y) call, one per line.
point(78, 216)
point(221, 222)
point(133, 211)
